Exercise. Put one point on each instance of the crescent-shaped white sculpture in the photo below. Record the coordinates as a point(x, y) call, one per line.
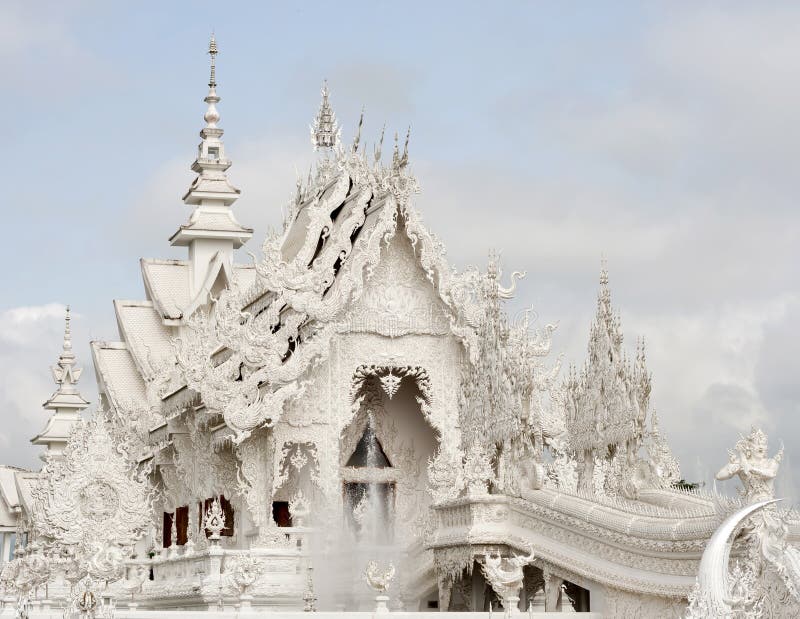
point(712, 577)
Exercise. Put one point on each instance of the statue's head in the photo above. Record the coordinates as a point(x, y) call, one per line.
point(759, 440)
point(753, 445)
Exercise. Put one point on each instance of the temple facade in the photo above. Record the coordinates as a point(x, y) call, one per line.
point(348, 423)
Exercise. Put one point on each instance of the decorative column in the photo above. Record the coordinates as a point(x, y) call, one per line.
point(445, 593)
point(552, 592)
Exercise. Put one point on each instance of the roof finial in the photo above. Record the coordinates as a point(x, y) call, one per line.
point(67, 337)
point(212, 50)
point(64, 373)
point(211, 190)
point(357, 139)
point(325, 129)
point(404, 158)
point(603, 271)
point(379, 147)
point(396, 153)
point(212, 115)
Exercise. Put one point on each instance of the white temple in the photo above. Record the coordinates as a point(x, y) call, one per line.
point(348, 424)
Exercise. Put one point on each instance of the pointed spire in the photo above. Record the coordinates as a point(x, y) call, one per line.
point(604, 295)
point(325, 131)
point(211, 185)
point(211, 194)
point(212, 116)
point(67, 349)
point(404, 157)
point(65, 375)
point(379, 147)
point(357, 139)
point(396, 153)
point(603, 272)
point(213, 51)
point(66, 403)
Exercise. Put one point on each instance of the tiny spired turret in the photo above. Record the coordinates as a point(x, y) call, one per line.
point(325, 130)
point(212, 231)
point(66, 403)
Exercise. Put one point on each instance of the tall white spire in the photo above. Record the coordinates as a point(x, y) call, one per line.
point(66, 403)
point(212, 229)
point(325, 130)
point(65, 373)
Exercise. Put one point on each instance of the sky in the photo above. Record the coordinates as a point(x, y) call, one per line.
point(661, 136)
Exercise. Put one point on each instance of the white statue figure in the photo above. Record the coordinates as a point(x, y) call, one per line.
point(107, 563)
point(770, 558)
point(299, 508)
point(755, 468)
point(379, 582)
point(505, 575)
point(478, 473)
point(243, 571)
point(137, 576)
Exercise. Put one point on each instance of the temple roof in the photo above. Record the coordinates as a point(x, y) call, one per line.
point(8, 493)
point(147, 337)
point(118, 377)
point(24, 482)
point(166, 283)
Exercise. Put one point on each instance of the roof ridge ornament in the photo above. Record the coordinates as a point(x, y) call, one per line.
point(211, 165)
point(325, 130)
point(66, 403)
point(64, 373)
point(212, 116)
point(378, 150)
point(357, 139)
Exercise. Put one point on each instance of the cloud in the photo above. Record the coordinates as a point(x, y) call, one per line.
point(21, 325)
point(682, 175)
point(40, 51)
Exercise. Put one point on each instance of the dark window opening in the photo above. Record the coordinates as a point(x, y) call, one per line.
point(369, 452)
point(182, 524)
point(181, 516)
point(577, 596)
point(281, 513)
point(166, 530)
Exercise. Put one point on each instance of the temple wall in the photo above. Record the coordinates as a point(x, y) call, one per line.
point(399, 325)
point(618, 604)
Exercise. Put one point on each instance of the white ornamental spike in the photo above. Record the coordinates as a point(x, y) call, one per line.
point(713, 582)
